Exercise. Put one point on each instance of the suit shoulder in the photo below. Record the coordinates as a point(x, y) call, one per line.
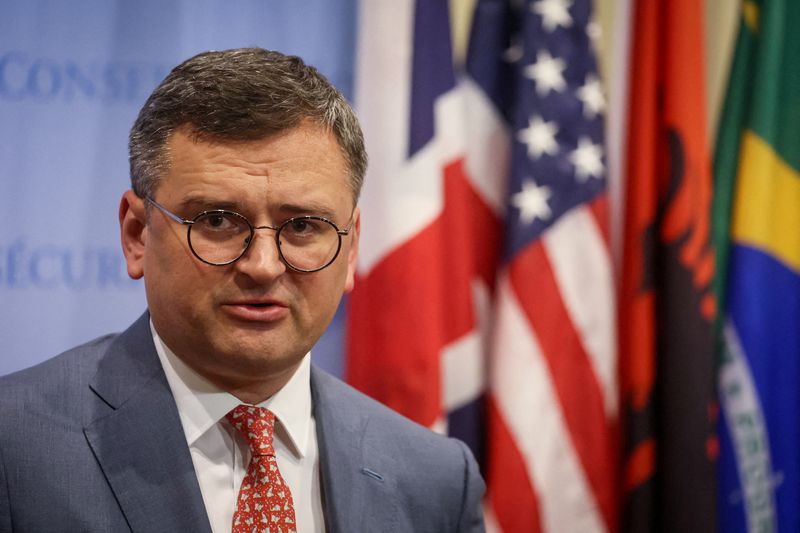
point(352, 399)
point(68, 370)
point(390, 423)
point(434, 480)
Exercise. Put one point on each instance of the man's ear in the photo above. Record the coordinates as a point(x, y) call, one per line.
point(133, 229)
point(352, 254)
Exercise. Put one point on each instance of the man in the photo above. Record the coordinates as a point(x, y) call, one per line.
point(206, 414)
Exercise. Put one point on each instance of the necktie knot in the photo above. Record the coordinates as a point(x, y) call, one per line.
point(256, 425)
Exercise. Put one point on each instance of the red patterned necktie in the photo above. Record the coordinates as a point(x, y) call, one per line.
point(265, 503)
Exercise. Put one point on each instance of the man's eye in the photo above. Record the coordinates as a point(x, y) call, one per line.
point(303, 228)
point(300, 226)
point(216, 220)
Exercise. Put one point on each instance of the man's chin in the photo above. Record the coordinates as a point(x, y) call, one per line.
point(245, 370)
point(256, 358)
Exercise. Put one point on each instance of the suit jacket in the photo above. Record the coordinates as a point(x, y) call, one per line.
point(91, 441)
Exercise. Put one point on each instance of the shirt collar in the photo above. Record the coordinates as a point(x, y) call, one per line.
point(201, 404)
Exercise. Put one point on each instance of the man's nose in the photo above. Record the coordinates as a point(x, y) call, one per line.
point(262, 260)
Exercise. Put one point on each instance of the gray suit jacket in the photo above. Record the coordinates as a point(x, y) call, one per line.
point(91, 441)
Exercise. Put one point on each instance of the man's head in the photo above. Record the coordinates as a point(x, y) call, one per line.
point(262, 135)
point(240, 95)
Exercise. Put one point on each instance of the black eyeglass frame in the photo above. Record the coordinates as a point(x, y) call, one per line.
point(277, 229)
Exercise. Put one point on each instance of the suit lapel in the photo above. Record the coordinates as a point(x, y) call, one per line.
point(140, 443)
point(358, 493)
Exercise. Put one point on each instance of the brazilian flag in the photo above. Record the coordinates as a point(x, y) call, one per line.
point(757, 236)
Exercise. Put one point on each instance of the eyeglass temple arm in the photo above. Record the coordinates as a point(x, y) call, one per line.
point(169, 213)
point(346, 231)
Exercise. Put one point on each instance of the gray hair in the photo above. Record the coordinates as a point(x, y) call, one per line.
point(240, 95)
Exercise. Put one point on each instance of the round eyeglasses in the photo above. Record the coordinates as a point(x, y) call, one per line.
point(219, 237)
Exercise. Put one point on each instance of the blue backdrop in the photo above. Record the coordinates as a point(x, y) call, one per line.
point(73, 76)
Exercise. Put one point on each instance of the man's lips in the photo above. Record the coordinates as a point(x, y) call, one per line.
point(257, 310)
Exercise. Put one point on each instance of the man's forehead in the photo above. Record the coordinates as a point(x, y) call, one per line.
point(199, 134)
point(305, 173)
point(187, 136)
point(307, 136)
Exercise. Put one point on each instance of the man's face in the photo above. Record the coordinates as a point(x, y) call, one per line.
point(248, 324)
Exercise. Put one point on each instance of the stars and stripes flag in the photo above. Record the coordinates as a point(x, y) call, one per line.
point(553, 375)
point(484, 301)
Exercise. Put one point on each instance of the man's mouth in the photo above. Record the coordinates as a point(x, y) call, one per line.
point(257, 310)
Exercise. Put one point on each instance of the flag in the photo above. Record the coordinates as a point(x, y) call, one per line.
point(666, 305)
point(757, 232)
point(430, 232)
point(552, 402)
point(484, 301)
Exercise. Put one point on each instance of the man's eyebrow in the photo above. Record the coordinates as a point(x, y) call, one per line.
point(312, 208)
point(196, 204)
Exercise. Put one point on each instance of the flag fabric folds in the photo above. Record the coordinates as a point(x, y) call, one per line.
point(757, 233)
point(666, 305)
point(484, 301)
point(430, 232)
point(552, 402)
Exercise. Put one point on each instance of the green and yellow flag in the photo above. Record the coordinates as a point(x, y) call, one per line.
point(757, 237)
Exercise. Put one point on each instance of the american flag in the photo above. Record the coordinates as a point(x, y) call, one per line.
point(484, 304)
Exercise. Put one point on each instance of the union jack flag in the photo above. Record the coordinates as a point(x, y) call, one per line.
point(484, 304)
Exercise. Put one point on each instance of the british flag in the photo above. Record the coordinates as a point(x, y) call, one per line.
point(484, 302)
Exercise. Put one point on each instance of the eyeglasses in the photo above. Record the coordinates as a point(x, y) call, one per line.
point(219, 237)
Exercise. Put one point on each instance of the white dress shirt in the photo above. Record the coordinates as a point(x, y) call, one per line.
point(220, 455)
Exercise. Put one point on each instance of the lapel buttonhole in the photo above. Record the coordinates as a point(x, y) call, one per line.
point(372, 474)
